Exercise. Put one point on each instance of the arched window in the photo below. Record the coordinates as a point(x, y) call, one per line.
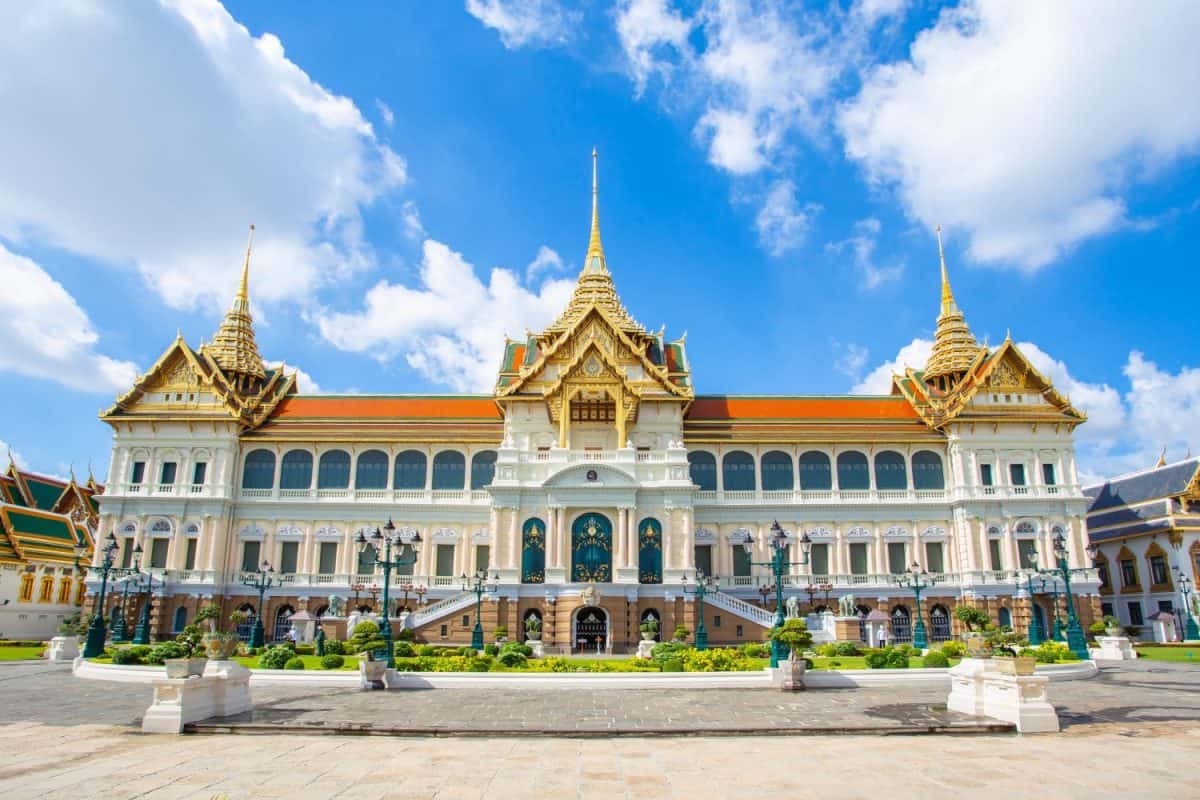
point(815, 473)
point(64, 591)
point(283, 623)
point(244, 628)
point(449, 470)
point(259, 470)
point(25, 593)
point(483, 468)
point(890, 472)
point(1005, 617)
point(939, 624)
point(295, 471)
point(927, 470)
point(1026, 528)
point(179, 621)
point(703, 469)
point(372, 470)
point(80, 592)
point(852, 471)
point(410, 470)
point(533, 551)
point(737, 471)
point(901, 625)
point(45, 594)
point(333, 471)
point(777, 472)
point(650, 551)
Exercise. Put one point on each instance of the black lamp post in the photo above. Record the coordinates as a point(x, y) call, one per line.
point(478, 585)
point(388, 538)
point(96, 632)
point(918, 580)
point(779, 565)
point(261, 581)
point(141, 634)
point(704, 585)
point(1075, 638)
point(1191, 632)
point(120, 625)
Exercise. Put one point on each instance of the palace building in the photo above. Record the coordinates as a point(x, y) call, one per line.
point(594, 483)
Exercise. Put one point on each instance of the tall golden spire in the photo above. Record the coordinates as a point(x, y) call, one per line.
point(954, 346)
point(594, 260)
point(233, 346)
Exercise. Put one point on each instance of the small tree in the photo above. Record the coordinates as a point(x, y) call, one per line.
point(976, 619)
point(793, 633)
point(210, 614)
point(681, 633)
point(501, 632)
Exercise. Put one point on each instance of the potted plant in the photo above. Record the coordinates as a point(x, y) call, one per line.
point(220, 645)
point(976, 620)
point(1007, 647)
point(501, 633)
point(681, 633)
point(192, 659)
point(533, 629)
point(793, 633)
point(649, 630)
point(1112, 626)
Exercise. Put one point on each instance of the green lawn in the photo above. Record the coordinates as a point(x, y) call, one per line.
point(1181, 654)
point(20, 653)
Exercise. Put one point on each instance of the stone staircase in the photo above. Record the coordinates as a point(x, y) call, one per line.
point(747, 611)
point(426, 614)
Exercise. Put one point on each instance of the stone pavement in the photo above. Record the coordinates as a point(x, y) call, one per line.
point(65, 737)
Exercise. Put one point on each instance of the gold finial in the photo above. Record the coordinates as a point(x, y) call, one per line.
point(1008, 334)
point(12, 462)
point(594, 260)
point(1162, 457)
point(954, 346)
point(244, 288)
point(947, 295)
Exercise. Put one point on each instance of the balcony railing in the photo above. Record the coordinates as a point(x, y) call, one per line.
point(884, 496)
point(408, 496)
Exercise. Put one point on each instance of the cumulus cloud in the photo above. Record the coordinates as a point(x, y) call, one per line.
point(151, 134)
point(782, 222)
point(411, 217)
point(1125, 430)
point(45, 334)
point(652, 35)
point(451, 326)
point(999, 125)
point(304, 382)
point(862, 246)
point(520, 23)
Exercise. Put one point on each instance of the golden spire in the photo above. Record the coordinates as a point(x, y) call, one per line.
point(954, 346)
point(1162, 457)
point(594, 260)
point(233, 346)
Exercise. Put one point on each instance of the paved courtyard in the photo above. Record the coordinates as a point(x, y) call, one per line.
point(1136, 728)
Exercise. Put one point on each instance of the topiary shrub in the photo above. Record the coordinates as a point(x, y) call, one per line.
point(491, 650)
point(517, 647)
point(847, 649)
point(976, 619)
point(826, 650)
point(361, 639)
point(335, 647)
point(479, 664)
point(295, 662)
point(681, 633)
point(935, 658)
point(886, 658)
point(332, 662)
point(164, 650)
point(426, 650)
point(666, 651)
point(954, 649)
point(127, 655)
point(512, 659)
point(755, 650)
point(276, 657)
point(404, 650)
point(672, 665)
point(406, 635)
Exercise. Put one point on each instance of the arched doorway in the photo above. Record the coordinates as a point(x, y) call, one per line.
point(283, 624)
point(939, 624)
point(1041, 618)
point(861, 612)
point(244, 629)
point(589, 630)
point(591, 549)
point(901, 625)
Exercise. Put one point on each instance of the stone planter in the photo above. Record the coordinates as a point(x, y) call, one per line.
point(977, 646)
point(1114, 631)
point(1021, 665)
point(793, 674)
point(221, 646)
point(372, 673)
point(63, 648)
point(647, 636)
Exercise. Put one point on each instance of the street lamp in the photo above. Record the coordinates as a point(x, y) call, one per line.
point(420, 593)
point(764, 592)
point(261, 581)
point(120, 623)
point(918, 580)
point(1185, 588)
point(477, 584)
point(1075, 639)
point(141, 634)
point(704, 585)
point(96, 633)
point(1035, 626)
point(779, 565)
point(388, 538)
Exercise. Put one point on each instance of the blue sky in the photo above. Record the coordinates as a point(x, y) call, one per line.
point(770, 176)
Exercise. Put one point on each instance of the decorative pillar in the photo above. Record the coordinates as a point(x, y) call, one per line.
point(551, 537)
point(563, 415)
point(689, 540)
point(1010, 547)
point(621, 556)
point(514, 538)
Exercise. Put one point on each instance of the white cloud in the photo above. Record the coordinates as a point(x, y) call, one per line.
point(151, 134)
point(1026, 125)
point(851, 359)
point(304, 382)
point(452, 326)
point(45, 334)
point(1124, 432)
point(651, 34)
point(862, 245)
point(537, 23)
point(781, 222)
point(546, 260)
point(879, 380)
point(385, 113)
point(411, 217)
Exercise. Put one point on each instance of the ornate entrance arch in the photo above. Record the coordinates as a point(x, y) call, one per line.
point(590, 630)
point(591, 549)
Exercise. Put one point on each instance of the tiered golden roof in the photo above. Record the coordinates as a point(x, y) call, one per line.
point(595, 286)
point(233, 346)
point(954, 346)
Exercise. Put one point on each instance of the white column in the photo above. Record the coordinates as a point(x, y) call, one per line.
point(564, 542)
point(689, 540)
point(1010, 548)
point(514, 537)
point(551, 537)
point(917, 555)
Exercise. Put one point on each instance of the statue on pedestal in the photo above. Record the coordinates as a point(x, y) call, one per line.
point(792, 604)
point(846, 606)
point(336, 606)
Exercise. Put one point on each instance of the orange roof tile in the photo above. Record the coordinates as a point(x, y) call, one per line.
point(721, 407)
point(368, 407)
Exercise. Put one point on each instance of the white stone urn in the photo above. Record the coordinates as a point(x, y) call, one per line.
point(372, 673)
point(63, 648)
point(793, 673)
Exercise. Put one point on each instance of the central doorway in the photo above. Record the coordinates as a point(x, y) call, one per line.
point(590, 633)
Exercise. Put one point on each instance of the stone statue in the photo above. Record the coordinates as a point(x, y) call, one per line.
point(846, 605)
point(793, 607)
point(336, 606)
